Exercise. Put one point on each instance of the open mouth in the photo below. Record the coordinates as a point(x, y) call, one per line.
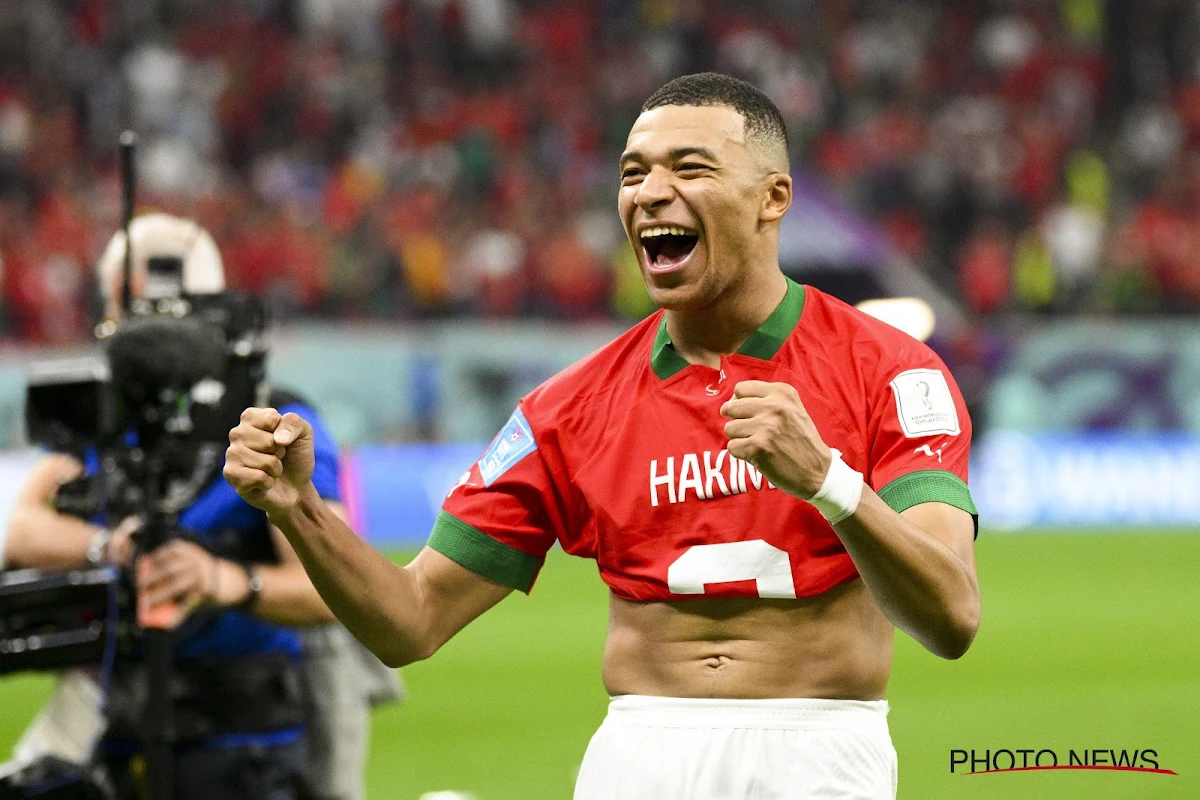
point(667, 246)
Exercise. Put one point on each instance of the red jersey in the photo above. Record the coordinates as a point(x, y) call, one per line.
point(623, 458)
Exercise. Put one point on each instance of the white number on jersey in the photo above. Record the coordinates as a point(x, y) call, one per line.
point(733, 561)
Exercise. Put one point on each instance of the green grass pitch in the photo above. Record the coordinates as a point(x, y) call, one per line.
point(1089, 640)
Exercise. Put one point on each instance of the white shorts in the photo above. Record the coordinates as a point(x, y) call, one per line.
point(667, 748)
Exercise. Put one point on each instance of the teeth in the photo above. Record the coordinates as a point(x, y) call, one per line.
point(666, 230)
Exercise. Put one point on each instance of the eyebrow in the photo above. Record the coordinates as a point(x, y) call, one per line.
point(674, 155)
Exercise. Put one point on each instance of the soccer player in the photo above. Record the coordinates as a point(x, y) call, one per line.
point(769, 480)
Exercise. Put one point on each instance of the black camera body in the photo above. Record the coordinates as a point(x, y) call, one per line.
point(183, 366)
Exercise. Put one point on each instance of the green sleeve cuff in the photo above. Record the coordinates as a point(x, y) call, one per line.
point(929, 486)
point(478, 552)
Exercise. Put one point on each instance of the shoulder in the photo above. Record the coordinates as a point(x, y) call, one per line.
point(880, 369)
point(859, 343)
point(592, 387)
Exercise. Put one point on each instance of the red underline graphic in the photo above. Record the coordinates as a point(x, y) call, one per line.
point(1076, 766)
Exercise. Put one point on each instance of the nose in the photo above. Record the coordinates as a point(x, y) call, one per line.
point(655, 190)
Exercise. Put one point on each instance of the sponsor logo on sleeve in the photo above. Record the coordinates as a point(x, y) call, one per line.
point(924, 403)
point(514, 442)
point(931, 453)
point(462, 481)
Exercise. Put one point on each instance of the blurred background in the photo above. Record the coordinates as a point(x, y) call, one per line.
point(424, 191)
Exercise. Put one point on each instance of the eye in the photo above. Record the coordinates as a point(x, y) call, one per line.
point(691, 167)
point(630, 174)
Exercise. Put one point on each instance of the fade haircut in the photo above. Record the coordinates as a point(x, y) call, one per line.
point(764, 125)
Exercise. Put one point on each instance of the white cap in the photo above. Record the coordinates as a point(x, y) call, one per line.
point(162, 236)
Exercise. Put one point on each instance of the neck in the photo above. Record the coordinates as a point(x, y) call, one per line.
point(702, 335)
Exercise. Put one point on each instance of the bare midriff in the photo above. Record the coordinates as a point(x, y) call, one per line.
point(836, 645)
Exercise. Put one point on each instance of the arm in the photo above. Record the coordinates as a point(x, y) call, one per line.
point(919, 566)
point(39, 536)
point(288, 596)
point(402, 614)
point(184, 571)
point(43, 538)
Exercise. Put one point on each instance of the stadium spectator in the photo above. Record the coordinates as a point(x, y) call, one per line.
point(330, 109)
point(751, 622)
point(984, 270)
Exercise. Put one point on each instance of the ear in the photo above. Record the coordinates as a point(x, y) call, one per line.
point(776, 198)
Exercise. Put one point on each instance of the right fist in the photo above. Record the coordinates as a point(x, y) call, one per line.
point(270, 459)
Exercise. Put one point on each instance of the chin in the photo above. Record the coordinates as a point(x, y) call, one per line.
point(677, 295)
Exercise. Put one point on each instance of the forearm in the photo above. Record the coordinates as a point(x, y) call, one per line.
point(287, 596)
point(378, 601)
point(923, 587)
point(41, 538)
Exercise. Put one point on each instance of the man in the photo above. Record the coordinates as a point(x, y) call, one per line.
point(747, 466)
point(246, 591)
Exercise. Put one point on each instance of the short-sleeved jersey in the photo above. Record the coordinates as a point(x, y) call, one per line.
point(623, 458)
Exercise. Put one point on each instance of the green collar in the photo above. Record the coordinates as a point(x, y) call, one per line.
point(764, 343)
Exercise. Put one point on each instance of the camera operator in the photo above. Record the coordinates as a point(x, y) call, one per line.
point(240, 710)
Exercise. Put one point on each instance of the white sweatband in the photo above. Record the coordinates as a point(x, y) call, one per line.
point(840, 492)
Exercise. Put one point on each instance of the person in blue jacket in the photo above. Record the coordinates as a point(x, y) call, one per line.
point(239, 691)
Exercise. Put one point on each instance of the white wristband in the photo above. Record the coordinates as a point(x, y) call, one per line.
point(840, 492)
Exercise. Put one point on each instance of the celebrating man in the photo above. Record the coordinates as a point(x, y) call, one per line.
point(749, 467)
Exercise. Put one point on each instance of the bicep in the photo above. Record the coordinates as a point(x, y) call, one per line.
point(451, 595)
point(948, 524)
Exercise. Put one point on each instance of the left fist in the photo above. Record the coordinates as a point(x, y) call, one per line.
point(769, 427)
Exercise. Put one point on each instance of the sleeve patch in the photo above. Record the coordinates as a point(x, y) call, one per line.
point(924, 403)
point(514, 442)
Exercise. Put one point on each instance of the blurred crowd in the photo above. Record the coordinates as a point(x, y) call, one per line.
point(424, 158)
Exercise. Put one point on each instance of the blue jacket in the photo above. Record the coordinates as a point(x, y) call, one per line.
point(235, 633)
point(238, 633)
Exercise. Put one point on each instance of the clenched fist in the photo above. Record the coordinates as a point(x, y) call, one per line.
point(270, 459)
point(770, 428)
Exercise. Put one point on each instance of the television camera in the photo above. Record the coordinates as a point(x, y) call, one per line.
point(151, 420)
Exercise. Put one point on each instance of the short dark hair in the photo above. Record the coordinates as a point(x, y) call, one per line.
point(763, 119)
